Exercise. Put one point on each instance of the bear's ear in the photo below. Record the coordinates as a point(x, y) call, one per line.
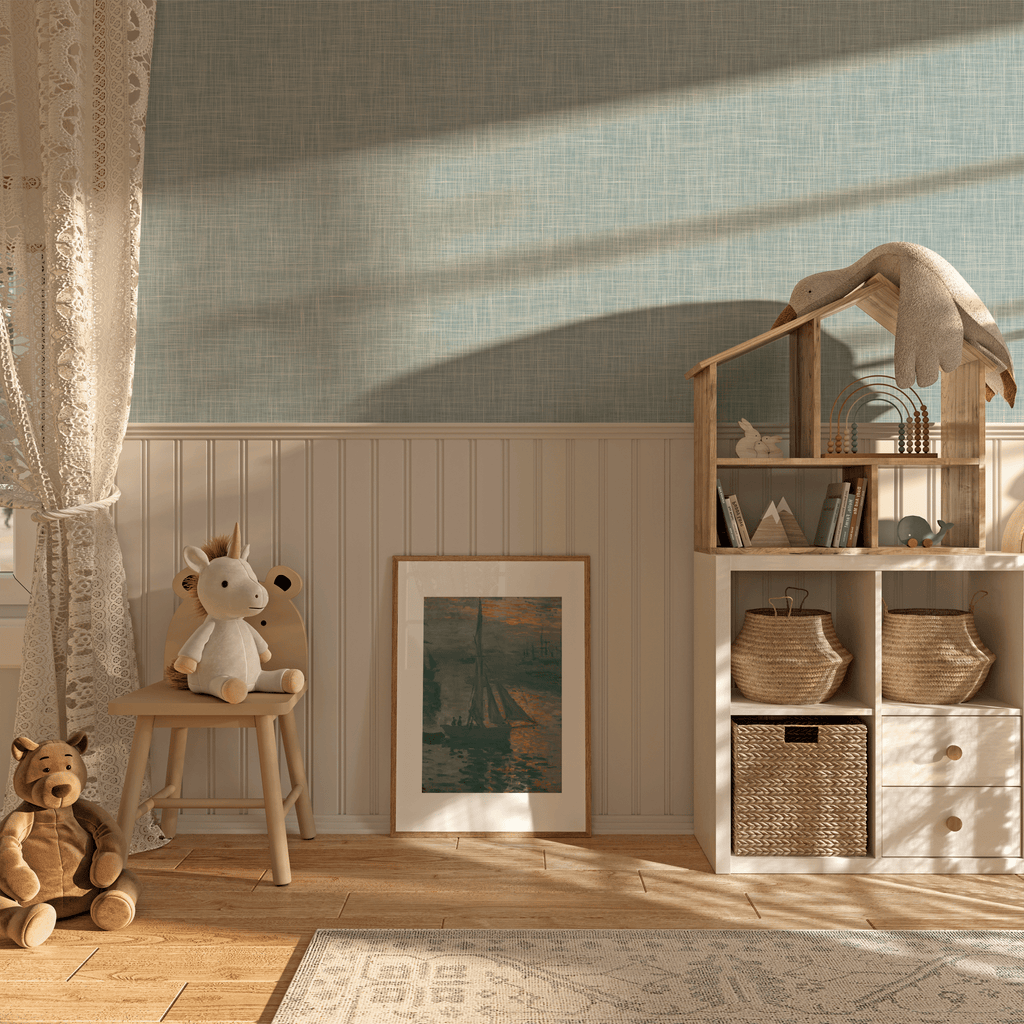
point(79, 741)
point(286, 580)
point(22, 746)
point(184, 583)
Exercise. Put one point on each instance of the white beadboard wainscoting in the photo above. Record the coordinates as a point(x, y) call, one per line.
point(337, 501)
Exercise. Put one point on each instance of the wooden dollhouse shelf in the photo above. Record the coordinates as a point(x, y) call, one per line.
point(907, 821)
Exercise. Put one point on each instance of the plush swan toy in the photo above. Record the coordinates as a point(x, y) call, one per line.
point(938, 311)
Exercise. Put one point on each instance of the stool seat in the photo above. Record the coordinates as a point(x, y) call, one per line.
point(163, 706)
point(164, 699)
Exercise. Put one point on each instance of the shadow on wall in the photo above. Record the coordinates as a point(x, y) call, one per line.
point(603, 370)
point(377, 73)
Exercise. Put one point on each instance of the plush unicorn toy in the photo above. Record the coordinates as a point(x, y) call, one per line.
point(223, 657)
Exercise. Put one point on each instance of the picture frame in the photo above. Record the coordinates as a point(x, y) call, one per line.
point(491, 695)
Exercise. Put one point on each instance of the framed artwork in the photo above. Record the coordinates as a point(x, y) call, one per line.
point(491, 695)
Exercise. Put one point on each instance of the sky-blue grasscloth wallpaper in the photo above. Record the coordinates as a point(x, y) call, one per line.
point(406, 210)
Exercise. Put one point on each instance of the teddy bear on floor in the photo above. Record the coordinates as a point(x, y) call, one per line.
point(60, 855)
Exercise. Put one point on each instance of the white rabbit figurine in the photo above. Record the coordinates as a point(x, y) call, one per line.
point(746, 446)
point(771, 447)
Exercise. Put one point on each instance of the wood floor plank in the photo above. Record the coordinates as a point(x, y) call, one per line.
point(91, 1001)
point(163, 858)
point(565, 907)
point(154, 932)
point(258, 841)
point(221, 864)
point(233, 1000)
point(188, 963)
point(337, 861)
point(180, 880)
point(642, 857)
point(52, 962)
point(880, 894)
point(524, 880)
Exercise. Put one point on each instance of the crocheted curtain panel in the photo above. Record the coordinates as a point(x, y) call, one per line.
point(74, 84)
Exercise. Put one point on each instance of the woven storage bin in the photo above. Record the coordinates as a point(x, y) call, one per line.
point(933, 655)
point(793, 657)
point(799, 787)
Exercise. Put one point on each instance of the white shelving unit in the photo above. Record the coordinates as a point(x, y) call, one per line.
point(906, 823)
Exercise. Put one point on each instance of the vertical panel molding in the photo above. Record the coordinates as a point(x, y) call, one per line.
point(336, 501)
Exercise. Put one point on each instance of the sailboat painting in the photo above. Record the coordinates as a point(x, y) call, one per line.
point(492, 702)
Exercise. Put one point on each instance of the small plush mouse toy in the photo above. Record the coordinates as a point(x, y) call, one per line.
point(60, 855)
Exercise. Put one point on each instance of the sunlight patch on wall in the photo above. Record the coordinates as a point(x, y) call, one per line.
point(576, 265)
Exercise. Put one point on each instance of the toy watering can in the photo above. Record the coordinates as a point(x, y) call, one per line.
point(913, 530)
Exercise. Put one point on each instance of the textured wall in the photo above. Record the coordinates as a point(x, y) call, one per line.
point(426, 211)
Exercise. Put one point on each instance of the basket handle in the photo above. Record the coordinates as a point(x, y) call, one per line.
point(806, 594)
point(980, 593)
point(772, 600)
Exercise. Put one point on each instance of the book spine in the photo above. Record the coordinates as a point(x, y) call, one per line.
point(730, 524)
point(858, 512)
point(843, 530)
point(831, 513)
point(827, 523)
point(734, 504)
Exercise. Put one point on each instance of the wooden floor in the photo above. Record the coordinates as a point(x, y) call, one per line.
point(215, 940)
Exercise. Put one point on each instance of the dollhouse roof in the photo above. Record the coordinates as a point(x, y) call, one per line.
point(878, 297)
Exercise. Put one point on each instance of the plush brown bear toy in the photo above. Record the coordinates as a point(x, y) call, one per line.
point(60, 855)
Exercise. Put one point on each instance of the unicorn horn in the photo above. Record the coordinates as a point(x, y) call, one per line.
point(235, 547)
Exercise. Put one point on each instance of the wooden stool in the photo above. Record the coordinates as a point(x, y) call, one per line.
point(163, 706)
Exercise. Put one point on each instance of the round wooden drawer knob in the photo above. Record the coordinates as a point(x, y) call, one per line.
point(954, 753)
point(954, 824)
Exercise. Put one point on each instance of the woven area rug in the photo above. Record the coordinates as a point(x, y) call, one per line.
point(440, 976)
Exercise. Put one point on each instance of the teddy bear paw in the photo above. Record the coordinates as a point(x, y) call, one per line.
point(112, 910)
point(292, 680)
point(32, 926)
point(106, 867)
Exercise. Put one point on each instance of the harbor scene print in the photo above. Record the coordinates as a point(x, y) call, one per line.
point(492, 695)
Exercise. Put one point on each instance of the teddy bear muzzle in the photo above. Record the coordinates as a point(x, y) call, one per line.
point(57, 790)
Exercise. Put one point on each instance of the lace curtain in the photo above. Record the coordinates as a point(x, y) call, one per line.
point(74, 81)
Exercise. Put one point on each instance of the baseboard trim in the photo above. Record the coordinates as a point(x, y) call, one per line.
point(642, 825)
point(379, 824)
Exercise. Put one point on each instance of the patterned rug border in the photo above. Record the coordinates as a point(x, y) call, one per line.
point(657, 976)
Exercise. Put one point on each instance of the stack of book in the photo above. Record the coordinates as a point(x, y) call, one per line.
point(732, 530)
point(841, 513)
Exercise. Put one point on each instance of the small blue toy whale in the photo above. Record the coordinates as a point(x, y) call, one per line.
point(913, 530)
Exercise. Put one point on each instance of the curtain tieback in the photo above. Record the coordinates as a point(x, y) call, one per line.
point(53, 515)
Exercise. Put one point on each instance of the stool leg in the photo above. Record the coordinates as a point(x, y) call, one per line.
point(296, 772)
point(175, 770)
point(135, 773)
point(273, 801)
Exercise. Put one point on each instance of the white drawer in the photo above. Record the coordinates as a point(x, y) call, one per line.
point(950, 750)
point(922, 821)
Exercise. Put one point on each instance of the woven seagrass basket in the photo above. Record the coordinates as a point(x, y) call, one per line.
point(789, 658)
point(933, 655)
point(799, 786)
